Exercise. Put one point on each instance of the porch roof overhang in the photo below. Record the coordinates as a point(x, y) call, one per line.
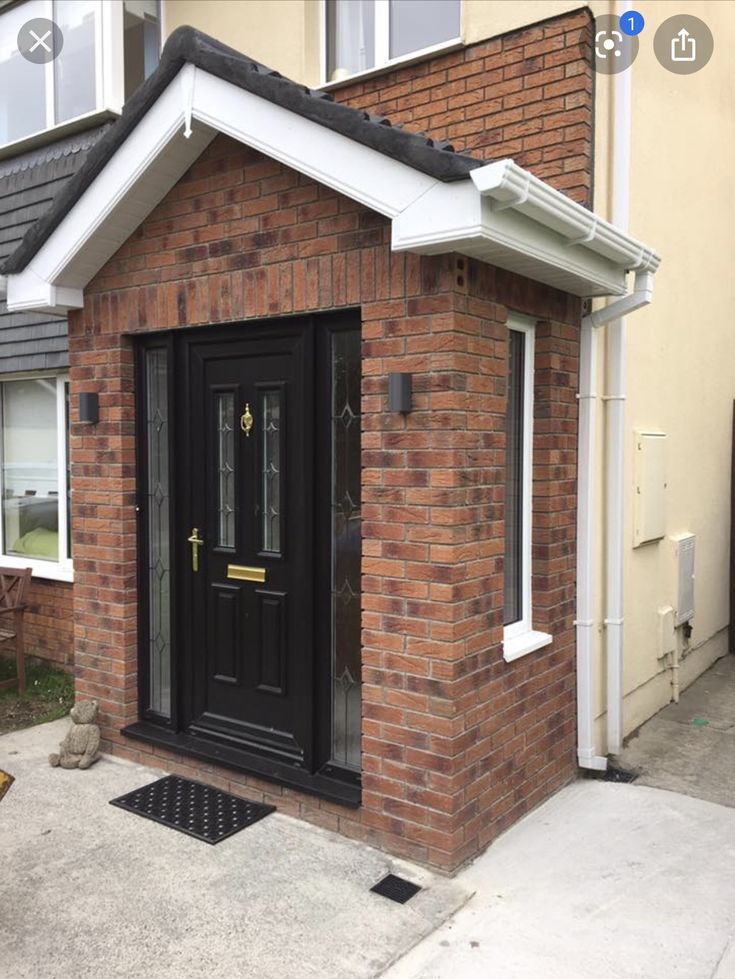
point(437, 201)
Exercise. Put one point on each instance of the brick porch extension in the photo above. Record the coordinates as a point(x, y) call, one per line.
point(457, 743)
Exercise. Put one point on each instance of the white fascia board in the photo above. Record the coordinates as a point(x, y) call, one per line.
point(455, 217)
point(26, 292)
point(513, 188)
point(359, 172)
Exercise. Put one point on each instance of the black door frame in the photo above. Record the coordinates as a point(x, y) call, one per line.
point(317, 775)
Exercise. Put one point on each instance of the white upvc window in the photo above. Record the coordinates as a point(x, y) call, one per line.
point(34, 475)
point(519, 636)
point(109, 49)
point(363, 35)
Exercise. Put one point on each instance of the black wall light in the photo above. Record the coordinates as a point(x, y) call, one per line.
point(89, 407)
point(399, 392)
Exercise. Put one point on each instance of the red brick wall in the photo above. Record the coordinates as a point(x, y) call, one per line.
point(456, 743)
point(49, 626)
point(525, 95)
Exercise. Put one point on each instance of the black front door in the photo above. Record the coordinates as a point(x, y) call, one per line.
point(245, 467)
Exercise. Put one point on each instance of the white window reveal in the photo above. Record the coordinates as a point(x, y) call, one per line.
point(519, 636)
point(366, 34)
point(108, 51)
point(34, 452)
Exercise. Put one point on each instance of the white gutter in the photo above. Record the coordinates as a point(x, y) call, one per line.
point(510, 186)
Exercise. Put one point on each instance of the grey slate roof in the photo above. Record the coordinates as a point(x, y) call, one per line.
point(187, 45)
point(28, 186)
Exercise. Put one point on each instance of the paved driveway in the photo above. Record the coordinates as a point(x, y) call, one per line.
point(87, 889)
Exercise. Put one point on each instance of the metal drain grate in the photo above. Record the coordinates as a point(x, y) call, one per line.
point(198, 810)
point(618, 775)
point(396, 889)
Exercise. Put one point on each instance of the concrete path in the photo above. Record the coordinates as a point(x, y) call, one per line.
point(690, 746)
point(604, 881)
point(87, 889)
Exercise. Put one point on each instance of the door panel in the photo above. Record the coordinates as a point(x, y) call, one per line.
point(248, 470)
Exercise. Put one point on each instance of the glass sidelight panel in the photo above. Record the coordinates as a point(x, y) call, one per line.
point(225, 415)
point(158, 492)
point(270, 413)
point(346, 549)
point(515, 423)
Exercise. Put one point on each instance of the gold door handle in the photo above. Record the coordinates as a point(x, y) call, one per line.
point(246, 421)
point(196, 542)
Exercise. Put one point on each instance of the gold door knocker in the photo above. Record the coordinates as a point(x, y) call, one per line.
point(196, 542)
point(246, 421)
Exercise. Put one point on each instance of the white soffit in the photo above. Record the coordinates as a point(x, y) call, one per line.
point(503, 215)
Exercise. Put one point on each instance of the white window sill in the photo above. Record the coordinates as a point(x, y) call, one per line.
point(525, 643)
point(443, 47)
point(41, 569)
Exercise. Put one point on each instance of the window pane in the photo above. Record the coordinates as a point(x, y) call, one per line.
point(141, 40)
point(22, 84)
point(67, 433)
point(159, 557)
point(270, 413)
point(513, 595)
point(75, 73)
point(416, 25)
point(346, 549)
point(350, 37)
point(225, 407)
point(30, 468)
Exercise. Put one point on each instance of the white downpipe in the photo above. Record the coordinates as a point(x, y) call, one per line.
point(616, 390)
point(586, 516)
point(587, 756)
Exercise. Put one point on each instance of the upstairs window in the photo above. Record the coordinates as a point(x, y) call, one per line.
point(366, 34)
point(108, 50)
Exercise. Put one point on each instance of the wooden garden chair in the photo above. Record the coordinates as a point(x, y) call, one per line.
point(14, 586)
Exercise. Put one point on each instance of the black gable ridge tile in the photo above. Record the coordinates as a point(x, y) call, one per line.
point(189, 46)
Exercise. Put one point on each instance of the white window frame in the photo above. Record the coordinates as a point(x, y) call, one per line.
point(382, 44)
point(110, 74)
point(63, 569)
point(520, 638)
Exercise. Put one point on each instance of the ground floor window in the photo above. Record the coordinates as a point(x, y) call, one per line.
point(518, 634)
point(34, 469)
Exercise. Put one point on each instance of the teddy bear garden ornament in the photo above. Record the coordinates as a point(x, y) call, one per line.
point(79, 749)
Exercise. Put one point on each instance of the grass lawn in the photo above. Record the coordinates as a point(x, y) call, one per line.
point(49, 694)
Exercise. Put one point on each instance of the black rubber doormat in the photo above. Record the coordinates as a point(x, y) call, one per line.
point(198, 810)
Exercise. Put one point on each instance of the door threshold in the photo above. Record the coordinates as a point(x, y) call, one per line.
point(344, 790)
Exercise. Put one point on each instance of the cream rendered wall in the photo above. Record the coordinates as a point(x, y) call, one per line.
point(681, 351)
point(682, 348)
point(283, 34)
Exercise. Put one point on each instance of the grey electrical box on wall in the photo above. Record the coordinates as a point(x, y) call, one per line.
point(649, 512)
